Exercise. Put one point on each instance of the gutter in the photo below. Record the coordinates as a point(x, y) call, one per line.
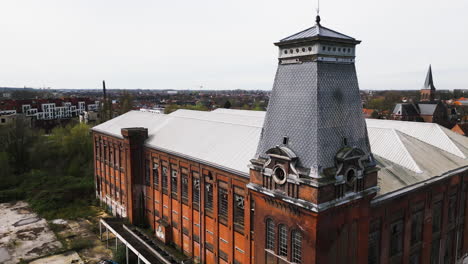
point(398, 193)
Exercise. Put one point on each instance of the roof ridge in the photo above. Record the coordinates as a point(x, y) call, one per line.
point(215, 121)
point(298, 33)
point(334, 31)
point(397, 133)
point(463, 156)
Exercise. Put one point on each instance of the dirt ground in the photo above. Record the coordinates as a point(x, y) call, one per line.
point(85, 229)
point(25, 236)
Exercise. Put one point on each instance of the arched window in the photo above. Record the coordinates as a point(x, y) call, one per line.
point(270, 234)
point(296, 247)
point(283, 241)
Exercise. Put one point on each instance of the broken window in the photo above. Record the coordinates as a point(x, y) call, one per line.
point(282, 240)
point(239, 207)
point(174, 184)
point(209, 197)
point(185, 188)
point(196, 193)
point(396, 238)
point(164, 179)
point(223, 205)
point(147, 173)
point(417, 226)
point(155, 175)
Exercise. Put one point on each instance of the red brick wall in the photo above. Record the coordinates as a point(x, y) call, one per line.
point(424, 199)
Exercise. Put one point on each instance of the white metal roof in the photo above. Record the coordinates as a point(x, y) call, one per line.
point(407, 152)
point(220, 139)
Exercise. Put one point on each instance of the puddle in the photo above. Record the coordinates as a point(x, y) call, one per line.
point(27, 221)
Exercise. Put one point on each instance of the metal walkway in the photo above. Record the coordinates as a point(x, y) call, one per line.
point(132, 241)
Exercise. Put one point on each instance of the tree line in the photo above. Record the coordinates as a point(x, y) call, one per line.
point(53, 172)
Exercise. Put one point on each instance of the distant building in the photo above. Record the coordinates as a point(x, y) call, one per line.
point(51, 109)
point(7, 117)
point(367, 112)
point(461, 129)
point(426, 110)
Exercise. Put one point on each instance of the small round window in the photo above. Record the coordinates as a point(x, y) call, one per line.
point(350, 175)
point(285, 52)
point(310, 48)
point(279, 175)
point(303, 49)
point(297, 50)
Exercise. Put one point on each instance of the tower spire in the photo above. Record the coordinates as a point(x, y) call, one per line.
point(317, 18)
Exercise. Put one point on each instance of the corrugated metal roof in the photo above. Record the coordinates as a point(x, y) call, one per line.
point(387, 143)
point(430, 133)
point(406, 152)
point(224, 140)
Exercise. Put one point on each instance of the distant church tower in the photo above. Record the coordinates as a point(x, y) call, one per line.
point(313, 175)
point(428, 90)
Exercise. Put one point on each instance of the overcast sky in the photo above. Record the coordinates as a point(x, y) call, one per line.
point(155, 44)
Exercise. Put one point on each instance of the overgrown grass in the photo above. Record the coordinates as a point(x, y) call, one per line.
point(80, 243)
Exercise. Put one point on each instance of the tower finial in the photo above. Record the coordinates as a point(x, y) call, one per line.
point(317, 18)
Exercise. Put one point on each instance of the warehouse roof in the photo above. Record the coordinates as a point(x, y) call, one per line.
point(407, 152)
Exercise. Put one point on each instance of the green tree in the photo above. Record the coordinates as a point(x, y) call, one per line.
point(126, 103)
point(227, 104)
point(16, 139)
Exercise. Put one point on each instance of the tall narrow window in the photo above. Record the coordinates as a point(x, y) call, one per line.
point(155, 175)
point(147, 173)
point(111, 156)
point(196, 193)
point(96, 145)
point(435, 251)
point(222, 205)
point(239, 212)
point(436, 228)
point(374, 242)
point(105, 152)
point(185, 188)
point(448, 254)
point(209, 197)
point(282, 240)
point(174, 184)
point(396, 238)
point(461, 226)
point(164, 180)
point(270, 235)
point(417, 226)
point(452, 209)
point(296, 247)
point(437, 217)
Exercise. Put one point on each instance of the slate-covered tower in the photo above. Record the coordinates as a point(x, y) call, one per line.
point(313, 170)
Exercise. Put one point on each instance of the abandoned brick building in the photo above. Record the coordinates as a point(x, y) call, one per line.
point(308, 181)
